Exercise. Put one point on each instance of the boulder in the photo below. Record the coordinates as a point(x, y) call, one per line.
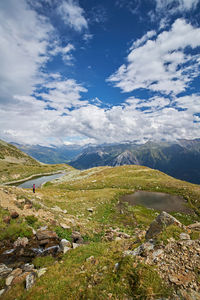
point(65, 243)
point(184, 236)
point(4, 270)
point(16, 272)
point(195, 226)
point(20, 242)
point(28, 267)
point(160, 223)
point(46, 234)
point(20, 278)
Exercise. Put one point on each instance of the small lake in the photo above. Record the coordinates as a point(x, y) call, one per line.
point(38, 181)
point(158, 201)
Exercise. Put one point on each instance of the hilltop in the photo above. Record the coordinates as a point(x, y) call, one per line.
point(107, 254)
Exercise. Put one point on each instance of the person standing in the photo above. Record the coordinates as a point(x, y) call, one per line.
point(34, 188)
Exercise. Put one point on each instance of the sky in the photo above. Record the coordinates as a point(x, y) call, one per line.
point(92, 72)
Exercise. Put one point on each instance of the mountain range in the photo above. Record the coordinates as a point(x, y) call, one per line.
point(180, 159)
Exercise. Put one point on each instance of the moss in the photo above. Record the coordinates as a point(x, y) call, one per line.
point(171, 231)
point(64, 233)
point(41, 262)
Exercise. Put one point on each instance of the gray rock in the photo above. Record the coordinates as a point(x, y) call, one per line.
point(41, 272)
point(64, 243)
point(1, 292)
point(9, 280)
point(65, 249)
point(195, 226)
point(4, 270)
point(160, 223)
point(184, 236)
point(30, 280)
point(21, 242)
point(28, 267)
point(74, 245)
point(141, 250)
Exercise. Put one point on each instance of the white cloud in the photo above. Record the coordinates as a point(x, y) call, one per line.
point(173, 6)
point(24, 38)
point(72, 15)
point(161, 64)
point(64, 51)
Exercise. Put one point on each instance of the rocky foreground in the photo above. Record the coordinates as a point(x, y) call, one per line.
point(177, 260)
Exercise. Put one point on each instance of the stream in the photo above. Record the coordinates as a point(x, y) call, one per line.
point(38, 181)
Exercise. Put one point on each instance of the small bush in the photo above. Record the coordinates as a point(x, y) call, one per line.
point(64, 233)
point(15, 230)
point(41, 262)
point(31, 220)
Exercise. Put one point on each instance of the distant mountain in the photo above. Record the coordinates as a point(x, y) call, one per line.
point(51, 155)
point(11, 154)
point(179, 159)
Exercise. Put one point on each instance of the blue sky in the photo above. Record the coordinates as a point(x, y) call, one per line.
point(88, 71)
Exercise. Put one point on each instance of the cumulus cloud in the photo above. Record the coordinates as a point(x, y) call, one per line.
point(161, 64)
point(73, 15)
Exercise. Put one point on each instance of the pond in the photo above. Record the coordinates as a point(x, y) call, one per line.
point(158, 201)
point(38, 181)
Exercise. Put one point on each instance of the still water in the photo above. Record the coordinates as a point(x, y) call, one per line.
point(158, 201)
point(38, 181)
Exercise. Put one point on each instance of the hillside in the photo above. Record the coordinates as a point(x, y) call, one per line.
point(16, 165)
point(108, 254)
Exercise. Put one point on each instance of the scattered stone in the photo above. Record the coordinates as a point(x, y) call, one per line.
point(162, 221)
point(4, 270)
point(46, 234)
point(117, 239)
point(20, 278)
point(64, 226)
point(57, 209)
point(43, 242)
point(65, 243)
point(1, 292)
point(28, 267)
point(195, 226)
point(41, 272)
point(157, 253)
point(74, 245)
point(76, 237)
point(20, 242)
point(14, 215)
point(90, 210)
point(65, 211)
point(184, 236)
point(28, 206)
point(65, 249)
point(7, 219)
point(16, 272)
point(30, 280)
point(9, 280)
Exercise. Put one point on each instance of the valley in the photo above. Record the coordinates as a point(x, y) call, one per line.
point(92, 245)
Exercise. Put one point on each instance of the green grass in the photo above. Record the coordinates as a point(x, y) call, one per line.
point(171, 231)
point(15, 230)
point(42, 262)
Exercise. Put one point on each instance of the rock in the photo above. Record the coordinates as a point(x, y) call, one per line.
point(65, 243)
point(117, 239)
point(141, 250)
point(180, 279)
point(4, 270)
point(162, 221)
point(157, 253)
point(90, 210)
point(20, 242)
point(57, 209)
point(65, 249)
point(1, 292)
point(16, 272)
point(14, 215)
point(76, 237)
point(41, 272)
point(46, 234)
point(28, 267)
point(65, 211)
point(195, 226)
point(64, 226)
point(9, 280)
point(74, 245)
point(53, 250)
point(20, 278)
point(7, 219)
point(184, 236)
point(43, 242)
point(28, 206)
point(30, 280)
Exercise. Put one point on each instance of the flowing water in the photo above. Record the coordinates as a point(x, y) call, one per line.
point(158, 201)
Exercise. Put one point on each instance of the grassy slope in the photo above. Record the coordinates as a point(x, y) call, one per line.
point(75, 277)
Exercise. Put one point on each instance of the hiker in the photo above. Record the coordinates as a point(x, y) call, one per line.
point(34, 188)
